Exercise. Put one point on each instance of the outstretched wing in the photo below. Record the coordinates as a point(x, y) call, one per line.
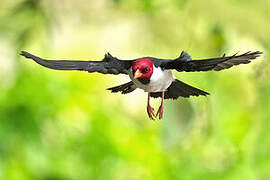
point(109, 65)
point(185, 63)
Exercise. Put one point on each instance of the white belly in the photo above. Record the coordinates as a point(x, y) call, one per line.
point(159, 81)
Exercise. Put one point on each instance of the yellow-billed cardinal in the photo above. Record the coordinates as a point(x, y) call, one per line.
point(151, 74)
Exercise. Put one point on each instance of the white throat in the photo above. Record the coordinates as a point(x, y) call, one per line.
point(159, 81)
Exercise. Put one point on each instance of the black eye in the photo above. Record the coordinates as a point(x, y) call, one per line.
point(146, 70)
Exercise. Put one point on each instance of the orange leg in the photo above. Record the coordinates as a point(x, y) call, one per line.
point(160, 109)
point(150, 110)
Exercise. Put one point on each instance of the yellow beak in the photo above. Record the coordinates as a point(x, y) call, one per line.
point(137, 74)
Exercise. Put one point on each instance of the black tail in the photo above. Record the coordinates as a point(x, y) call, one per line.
point(124, 88)
point(178, 88)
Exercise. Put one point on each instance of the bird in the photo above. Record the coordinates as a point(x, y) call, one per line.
point(151, 74)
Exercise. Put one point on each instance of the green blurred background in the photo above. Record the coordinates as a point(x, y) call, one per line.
point(65, 125)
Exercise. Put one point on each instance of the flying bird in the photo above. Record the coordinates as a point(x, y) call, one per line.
point(151, 74)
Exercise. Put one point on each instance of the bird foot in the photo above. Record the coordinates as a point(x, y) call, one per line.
point(160, 112)
point(150, 112)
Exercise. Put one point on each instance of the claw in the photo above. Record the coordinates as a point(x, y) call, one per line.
point(150, 112)
point(160, 112)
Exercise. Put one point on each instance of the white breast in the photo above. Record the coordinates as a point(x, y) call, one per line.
point(159, 81)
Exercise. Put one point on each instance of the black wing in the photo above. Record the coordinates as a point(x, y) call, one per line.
point(185, 63)
point(109, 65)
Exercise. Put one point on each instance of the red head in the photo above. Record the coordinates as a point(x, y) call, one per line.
point(142, 68)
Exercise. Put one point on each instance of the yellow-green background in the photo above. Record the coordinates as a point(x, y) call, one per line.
point(65, 125)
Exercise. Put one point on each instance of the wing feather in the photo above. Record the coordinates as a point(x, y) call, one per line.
point(109, 65)
point(185, 63)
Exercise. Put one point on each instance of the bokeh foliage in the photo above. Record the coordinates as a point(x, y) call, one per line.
point(65, 125)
